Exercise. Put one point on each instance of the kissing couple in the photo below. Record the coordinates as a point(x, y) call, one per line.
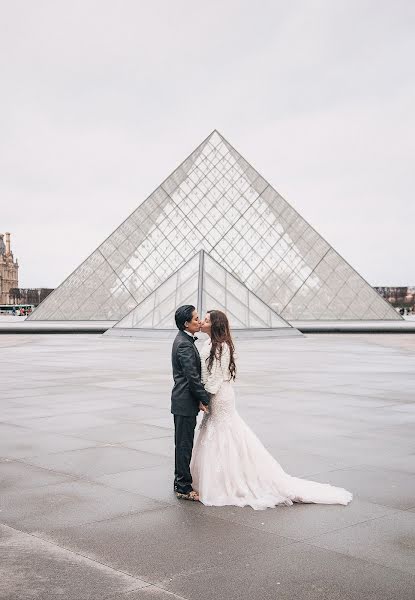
point(228, 464)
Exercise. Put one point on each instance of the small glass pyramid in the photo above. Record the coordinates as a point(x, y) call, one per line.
point(204, 283)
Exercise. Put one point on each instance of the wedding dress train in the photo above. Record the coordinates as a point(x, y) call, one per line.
point(230, 466)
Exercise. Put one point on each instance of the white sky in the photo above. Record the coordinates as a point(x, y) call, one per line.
point(101, 100)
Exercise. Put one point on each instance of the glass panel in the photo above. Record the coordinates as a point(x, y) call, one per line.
point(244, 309)
point(157, 310)
point(217, 202)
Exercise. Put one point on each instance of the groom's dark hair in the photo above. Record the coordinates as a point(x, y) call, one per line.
point(183, 313)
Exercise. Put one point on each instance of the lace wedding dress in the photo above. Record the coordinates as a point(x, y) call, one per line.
point(230, 466)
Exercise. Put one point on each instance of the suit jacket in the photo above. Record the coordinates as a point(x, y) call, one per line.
point(188, 390)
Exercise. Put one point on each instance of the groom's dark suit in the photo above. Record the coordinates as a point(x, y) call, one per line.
point(186, 395)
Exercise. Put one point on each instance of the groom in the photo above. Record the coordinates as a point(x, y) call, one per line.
point(187, 398)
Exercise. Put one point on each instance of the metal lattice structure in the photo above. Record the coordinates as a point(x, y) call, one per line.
point(204, 283)
point(217, 202)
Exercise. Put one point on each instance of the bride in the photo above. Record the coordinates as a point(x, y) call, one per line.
point(229, 465)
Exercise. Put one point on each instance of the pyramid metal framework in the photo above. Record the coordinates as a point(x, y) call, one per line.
point(204, 283)
point(217, 202)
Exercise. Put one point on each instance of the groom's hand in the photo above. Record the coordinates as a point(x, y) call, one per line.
point(203, 407)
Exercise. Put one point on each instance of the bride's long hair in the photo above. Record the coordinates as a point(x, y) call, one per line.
point(220, 333)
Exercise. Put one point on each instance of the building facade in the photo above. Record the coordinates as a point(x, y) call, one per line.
point(29, 295)
point(401, 298)
point(9, 269)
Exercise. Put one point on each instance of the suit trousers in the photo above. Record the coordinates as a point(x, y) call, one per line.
point(184, 433)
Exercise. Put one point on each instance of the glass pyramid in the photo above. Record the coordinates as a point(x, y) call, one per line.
point(207, 285)
point(215, 201)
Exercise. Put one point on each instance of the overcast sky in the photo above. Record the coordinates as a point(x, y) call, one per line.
point(102, 99)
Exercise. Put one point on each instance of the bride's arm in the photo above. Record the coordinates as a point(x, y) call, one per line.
point(214, 378)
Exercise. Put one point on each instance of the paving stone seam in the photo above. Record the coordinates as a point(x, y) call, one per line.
point(30, 456)
point(312, 547)
point(122, 489)
point(359, 558)
point(374, 468)
point(98, 444)
point(86, 477)
point(394, 511)
point(348, 393)
point(355, 467)
point(80, 479)
point(115, 516)
point(9, 424)
point(73, 476)
point(380, 517)
point(162, 582)
point(25, 462)
point(47, 416)
point(118, 516)
point(159, 437)
point(80, 554)
point(176, 507)
point(123, 515)
point(148, 440)
point(309, 475)
point(388, 506)
point(16, 460)
point(158, 583)
point(147, 587)
point(42, 384)
point(224, 563)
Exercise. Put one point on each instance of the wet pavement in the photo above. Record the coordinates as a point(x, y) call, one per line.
point(87, 509)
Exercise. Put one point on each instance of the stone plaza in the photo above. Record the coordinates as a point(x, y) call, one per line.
point(87, 507)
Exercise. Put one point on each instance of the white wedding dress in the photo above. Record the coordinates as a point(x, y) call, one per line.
point(230, 466)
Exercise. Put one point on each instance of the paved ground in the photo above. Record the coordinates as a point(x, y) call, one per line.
point(87, 509)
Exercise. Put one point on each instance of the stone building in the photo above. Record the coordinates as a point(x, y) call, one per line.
point(399, 297)
point(8, 270)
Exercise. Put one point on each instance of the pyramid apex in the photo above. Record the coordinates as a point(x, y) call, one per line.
point(215, 131)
